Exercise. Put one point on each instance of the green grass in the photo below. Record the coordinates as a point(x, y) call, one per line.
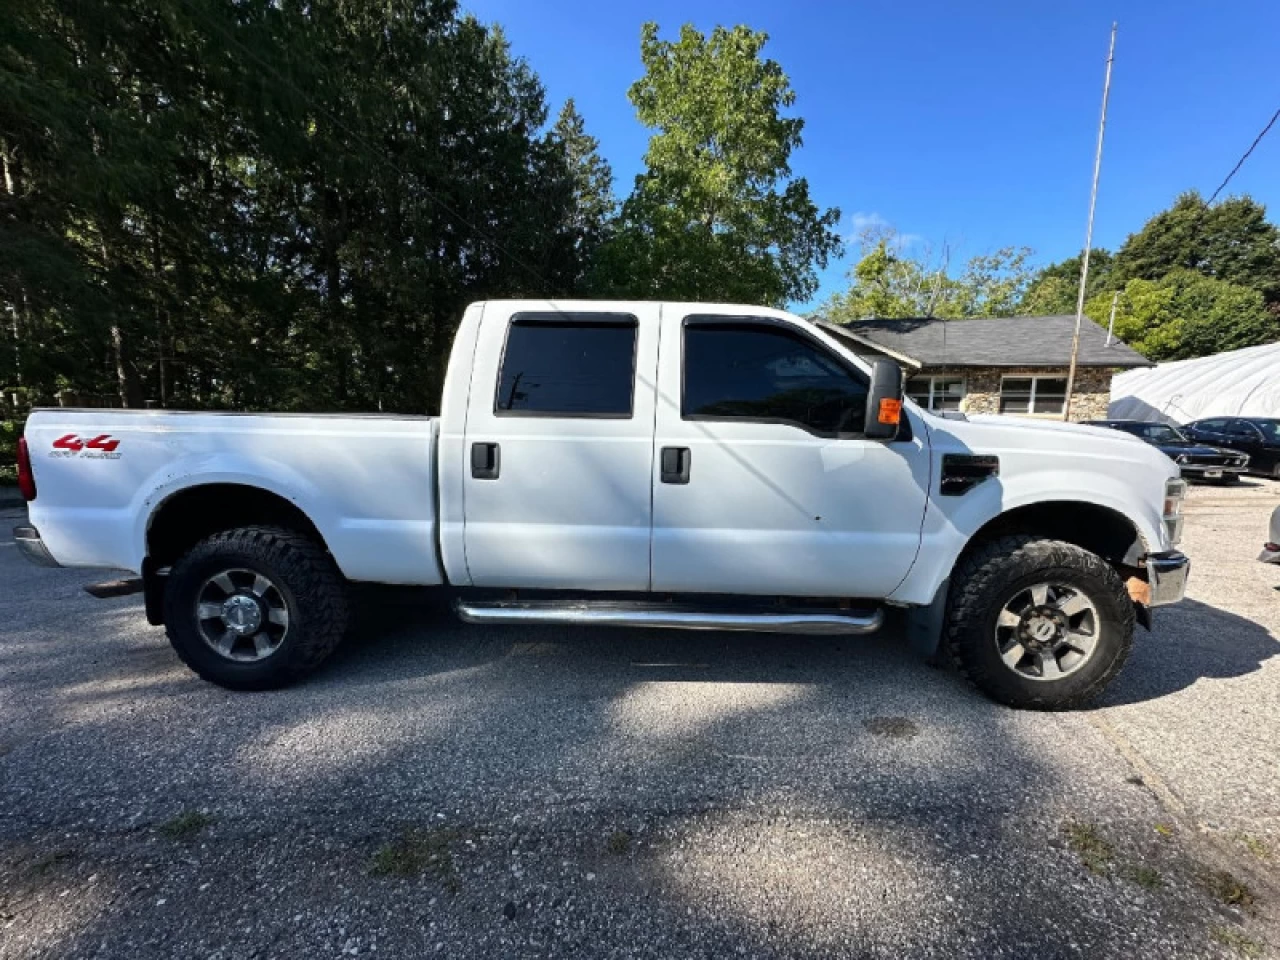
point(1227, 889)
point(1146, 877)
point(1237, 941)
point(619, 842)
point(1090, 846)
point(185, 825)
point(1259, 848)
point(417, 852)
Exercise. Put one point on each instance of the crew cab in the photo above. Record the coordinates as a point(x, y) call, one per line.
point(703, 466)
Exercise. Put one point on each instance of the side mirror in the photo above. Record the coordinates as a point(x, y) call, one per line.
point(884, 401)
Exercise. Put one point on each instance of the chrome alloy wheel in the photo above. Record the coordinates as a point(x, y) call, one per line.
point(1047, 631)
point(242, 615)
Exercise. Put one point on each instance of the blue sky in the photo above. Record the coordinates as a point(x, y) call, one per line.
point(969, 123)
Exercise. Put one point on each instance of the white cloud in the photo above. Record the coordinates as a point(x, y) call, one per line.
point(861, 221)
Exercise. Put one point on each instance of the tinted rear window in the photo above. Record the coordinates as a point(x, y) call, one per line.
point(568, 365)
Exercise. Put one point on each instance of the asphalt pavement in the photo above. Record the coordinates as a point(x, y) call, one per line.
point(440, 790)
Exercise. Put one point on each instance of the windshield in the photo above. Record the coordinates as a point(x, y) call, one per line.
point(1154, 432)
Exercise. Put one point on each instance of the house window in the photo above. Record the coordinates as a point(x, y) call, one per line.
point(1033, 395)
point(936, 393)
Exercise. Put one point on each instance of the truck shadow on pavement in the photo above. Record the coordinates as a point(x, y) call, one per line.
point(1192, 641)
point(547, 792)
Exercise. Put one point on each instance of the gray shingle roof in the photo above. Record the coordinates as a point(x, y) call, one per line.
point(999, 342)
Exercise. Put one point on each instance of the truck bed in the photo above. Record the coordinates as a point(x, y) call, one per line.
point(367, 481)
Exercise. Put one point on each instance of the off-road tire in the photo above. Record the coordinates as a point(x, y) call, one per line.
point(987, 576)
point(306, 576)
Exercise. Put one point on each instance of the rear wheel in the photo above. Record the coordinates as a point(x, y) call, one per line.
point(255, 608)
point(1036, 623)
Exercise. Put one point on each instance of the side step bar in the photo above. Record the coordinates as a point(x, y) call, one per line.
point(824, 624)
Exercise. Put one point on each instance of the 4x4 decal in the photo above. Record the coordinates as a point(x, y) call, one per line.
point(102, 447)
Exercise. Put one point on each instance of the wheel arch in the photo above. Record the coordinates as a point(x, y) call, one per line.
point(1092, 526)
point(190, 514)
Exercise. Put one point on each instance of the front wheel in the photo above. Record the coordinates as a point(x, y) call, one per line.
point(1039, 624)
point(255, 608)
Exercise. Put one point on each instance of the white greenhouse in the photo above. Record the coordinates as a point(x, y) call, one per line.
point(1242, 383)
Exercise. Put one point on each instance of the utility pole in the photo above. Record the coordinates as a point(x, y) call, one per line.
point(1111, 324)
point(1088, 236)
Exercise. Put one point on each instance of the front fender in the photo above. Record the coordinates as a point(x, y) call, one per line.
point(1126, 477)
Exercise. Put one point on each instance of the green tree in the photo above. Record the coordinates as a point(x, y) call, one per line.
point(592, 206)
point(893, 279)
point(1185, 314)
point(1055, 288)
point(267, 204)
point(717, 214)
point(1230, 241)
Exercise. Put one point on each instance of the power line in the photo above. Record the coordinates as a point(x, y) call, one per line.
point(372, 151)
point(1240, 162)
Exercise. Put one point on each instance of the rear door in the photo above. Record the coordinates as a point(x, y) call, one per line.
point(765, 484)
point(559, 446)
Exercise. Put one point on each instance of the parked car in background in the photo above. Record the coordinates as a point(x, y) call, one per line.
point(1271, 549)
point(1259, 437)
point(1197, 461)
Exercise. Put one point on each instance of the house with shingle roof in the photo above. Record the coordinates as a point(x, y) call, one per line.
point(1012, 365)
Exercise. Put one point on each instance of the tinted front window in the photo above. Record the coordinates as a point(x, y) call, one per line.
point(757, 372)
point(1211, 426)
point(557, 365)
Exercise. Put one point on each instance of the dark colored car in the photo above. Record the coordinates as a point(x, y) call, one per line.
point(1196, 460)
point(1259, 437)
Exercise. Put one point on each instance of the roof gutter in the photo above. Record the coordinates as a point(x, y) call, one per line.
point(843, 331)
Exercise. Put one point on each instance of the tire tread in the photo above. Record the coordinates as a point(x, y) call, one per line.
point(973, 590)
point(311, 575)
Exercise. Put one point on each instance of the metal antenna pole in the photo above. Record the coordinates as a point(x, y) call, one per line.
point(1088, 236)
point(1111, 324)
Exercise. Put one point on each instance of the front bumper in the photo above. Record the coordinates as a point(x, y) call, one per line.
point(1167, 577)
point(1199, 471)
point(32, 547)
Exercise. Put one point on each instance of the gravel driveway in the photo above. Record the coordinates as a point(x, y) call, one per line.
point(452, 791)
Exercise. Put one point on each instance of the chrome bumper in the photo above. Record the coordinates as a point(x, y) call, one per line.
point(1167, 577)
point(32, 547)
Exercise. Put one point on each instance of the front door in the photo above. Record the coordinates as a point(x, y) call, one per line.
point(559, 447)
point(763, 481)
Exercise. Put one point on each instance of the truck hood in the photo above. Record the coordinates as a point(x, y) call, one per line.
point(1068, 440)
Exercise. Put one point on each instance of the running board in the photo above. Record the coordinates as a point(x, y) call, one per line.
point(610, 614)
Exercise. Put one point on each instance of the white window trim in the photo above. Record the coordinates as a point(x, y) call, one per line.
point(934, 377)
point(1031, 401)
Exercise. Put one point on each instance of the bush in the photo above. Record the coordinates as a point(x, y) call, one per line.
point(10, 431)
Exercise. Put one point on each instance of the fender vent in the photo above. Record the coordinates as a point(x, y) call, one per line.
point(961, 472)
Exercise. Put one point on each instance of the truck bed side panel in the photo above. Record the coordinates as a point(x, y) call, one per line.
point(367, 483)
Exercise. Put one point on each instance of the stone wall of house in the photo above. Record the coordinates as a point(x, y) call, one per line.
point(1092, 390)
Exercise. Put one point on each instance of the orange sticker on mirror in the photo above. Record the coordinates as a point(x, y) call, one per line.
point(890, 411)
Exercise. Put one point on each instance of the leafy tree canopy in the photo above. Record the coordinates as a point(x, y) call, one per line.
point(1185, 314)
point(1231, 241)
point(895, 279)
point(717, 214)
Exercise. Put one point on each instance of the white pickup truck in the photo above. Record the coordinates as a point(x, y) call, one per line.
point(703, 466)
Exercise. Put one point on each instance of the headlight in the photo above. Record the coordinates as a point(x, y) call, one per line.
point(1174, 492)
point(1180, 458)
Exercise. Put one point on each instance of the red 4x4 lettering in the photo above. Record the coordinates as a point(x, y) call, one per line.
point(103, 443)
point(69, 442)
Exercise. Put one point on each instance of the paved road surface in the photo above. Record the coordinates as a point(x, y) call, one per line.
point(453, 791)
